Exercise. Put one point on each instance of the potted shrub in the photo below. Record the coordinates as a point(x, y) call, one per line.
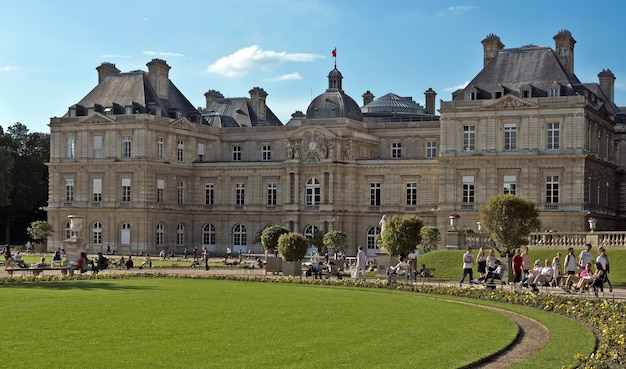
point(269, 240)
point(292, 247)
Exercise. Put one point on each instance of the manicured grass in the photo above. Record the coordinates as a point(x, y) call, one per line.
point(188, 323)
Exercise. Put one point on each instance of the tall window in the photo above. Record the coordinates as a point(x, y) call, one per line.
point(510, 185)
point(553, 135)
point(236, 153)
point(126, 146)
point(469, 138)
point(69, 148)
point(411, 193)
point(180, 235)
point(209, 189)
point(313, 191)
point(180, 153)
point(396, 150)
point(266, 153)
point(96, 234)
point(160, 148)
point(310, 230)
point(208, 234)
point(200, 151)
point(372, 232)
point(160, 234)
point(125, 234)
point(272, 191)
point(97, 189)
point(510, 137)
point(552, 189)
point(69, 190)
point(431, 149)
point(375, 194)
point(125, 189)
point(239, 235)
point(180, 190)
point(160, 191)
point(240, 193)
point(97, 147)
point(468, 189)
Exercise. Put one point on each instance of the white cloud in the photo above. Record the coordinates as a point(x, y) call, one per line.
point(252, 57)
point(457, 9)
point(454, 88)
point(7, 68)
point(288, 77)
point(162, 54)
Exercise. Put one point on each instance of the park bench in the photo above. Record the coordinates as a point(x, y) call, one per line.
point(428, 273)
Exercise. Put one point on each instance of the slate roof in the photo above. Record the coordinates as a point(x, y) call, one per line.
point(393, 103)
point(134, 88)
point(237, 112)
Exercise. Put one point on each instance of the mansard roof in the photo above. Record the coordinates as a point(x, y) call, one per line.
point(118, 90)
point(512, 69)
point(238, 112)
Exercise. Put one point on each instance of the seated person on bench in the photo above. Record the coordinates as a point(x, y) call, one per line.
point(424, 272)
point(394, 270)
point(57, 258)
point(18, 260)
point(492, 274)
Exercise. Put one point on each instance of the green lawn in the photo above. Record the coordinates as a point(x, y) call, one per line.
point(188, 323)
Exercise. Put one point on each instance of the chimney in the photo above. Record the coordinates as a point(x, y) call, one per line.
point(491, 46)
point(158, 75)
point(258, 95)
point(212, 95)
point(368, 97)
point(105, 69)
point(607, 83)
point(430, 101)
point(564, 43)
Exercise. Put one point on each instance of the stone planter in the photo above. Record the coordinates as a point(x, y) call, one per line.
point(273, 265)
point(292, 268)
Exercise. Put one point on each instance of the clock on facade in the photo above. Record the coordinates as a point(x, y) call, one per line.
point(312, 145)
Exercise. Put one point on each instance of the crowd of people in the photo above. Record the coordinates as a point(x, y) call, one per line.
point(574, 273)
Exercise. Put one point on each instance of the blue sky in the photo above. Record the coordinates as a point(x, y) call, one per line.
point(51, 48)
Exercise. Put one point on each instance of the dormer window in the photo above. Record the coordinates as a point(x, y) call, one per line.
point(471, 93)
point(499, 92)
point(554, 90)
point(526, 91)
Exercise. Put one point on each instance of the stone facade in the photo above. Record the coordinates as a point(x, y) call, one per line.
point(150, 172)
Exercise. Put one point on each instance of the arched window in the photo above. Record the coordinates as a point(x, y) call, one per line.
point(313, 191)
point(208, 234)
point(372, 232)
point(180, 235)
point(310, 230)
point(96, 234)
point(239, 235)
point(125, 234)
point(160, 235)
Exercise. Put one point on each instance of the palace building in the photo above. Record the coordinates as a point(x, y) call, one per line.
point(149, 171)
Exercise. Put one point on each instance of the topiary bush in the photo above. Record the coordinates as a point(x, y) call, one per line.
point(292, 246)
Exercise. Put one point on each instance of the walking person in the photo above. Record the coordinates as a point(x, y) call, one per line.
point(556, 267)
point(361, 263)
point(481, 261)
point(570, 262)
point(604, 261)
point(468, 264)
point(526, 261)
point(518, 268)
point(585, 257)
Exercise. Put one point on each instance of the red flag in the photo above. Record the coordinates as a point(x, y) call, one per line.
point(334, 52)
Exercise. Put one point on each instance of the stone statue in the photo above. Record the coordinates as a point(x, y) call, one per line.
point(383, 223)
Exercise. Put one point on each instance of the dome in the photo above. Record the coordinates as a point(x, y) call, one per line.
point(334, 103)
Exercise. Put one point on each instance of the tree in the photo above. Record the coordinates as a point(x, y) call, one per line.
point(40, 230)
point(270, 235)
point(401, 235)
point(292, 246)
point(336, 239)
point(430, 238)
point(317, 240)
point(509, 219)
